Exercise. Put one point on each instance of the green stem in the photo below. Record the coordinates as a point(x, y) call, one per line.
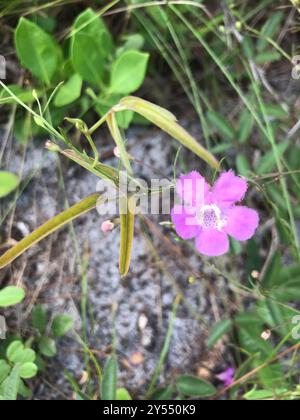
point(98, 124)
point(45, 123)
point(93, 147)
point(116, 135)
point(165, 349)
point(127, 218)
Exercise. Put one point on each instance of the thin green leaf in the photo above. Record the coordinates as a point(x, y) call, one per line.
point(102, 171)
point(39, 318)
point(194, 387)
point(116, 134)
point(49, 227)
point(109, 381)
point(221, 125)
point(4, 370)
point(269, 30)
point(127, 217)
point(11, 385)
point(218, 331)
point(168, 124)
point(246, 124)
point(242, 165)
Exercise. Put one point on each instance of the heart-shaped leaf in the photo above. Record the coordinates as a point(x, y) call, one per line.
point(28, 370)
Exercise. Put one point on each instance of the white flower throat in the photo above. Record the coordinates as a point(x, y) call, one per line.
point(210, 217)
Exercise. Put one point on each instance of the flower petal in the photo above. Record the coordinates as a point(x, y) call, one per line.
point(185, 222)
point(242, 222)
point(212, 243)
point(229, 189)
point(227, 377)
point(192, 188)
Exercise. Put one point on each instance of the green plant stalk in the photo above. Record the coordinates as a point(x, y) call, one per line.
point(271, 42)
point(91, 355)
point(100, 13)
point(100, 170)
point(49, 227)
point(166, 3)
point(51, 97)
point(165, 348)
point(10, 391)
point(82, 128)
point(97, 124)
point(194, 87)
point(127, 217)
point(43, 122)
point(93, 147)
point(84, 305)
point(154, 114)
point(116, 135)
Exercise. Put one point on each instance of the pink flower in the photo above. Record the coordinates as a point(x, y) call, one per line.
point(227, 377)
point(117, 152)
point(210, 214)
point(107, 226)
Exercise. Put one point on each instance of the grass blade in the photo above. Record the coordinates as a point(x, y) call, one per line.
point(49, 227)
point(165, 348)
point(100, 170)
point(116, 135)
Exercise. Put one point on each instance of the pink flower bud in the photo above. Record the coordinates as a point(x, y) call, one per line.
point(107, 226)
point(266, 335)
point(117, 152)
